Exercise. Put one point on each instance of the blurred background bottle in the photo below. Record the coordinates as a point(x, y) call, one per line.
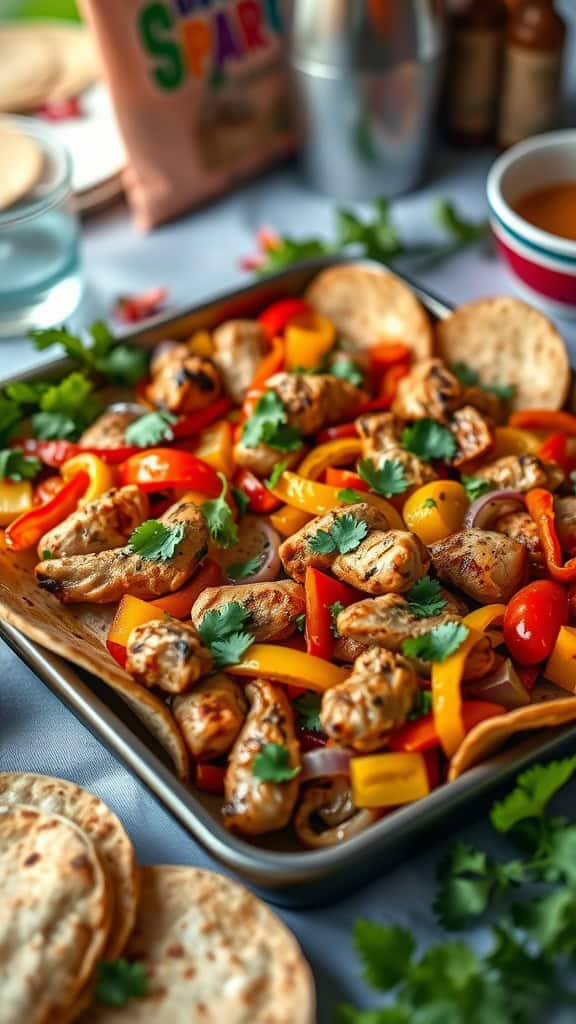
point(531, 84)
point(476, 42)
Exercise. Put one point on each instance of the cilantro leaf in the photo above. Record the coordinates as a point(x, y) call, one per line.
point(289, 250)
point(322, 543)
point(422, 705)
point(275, 475)
point(467, 375)
point(219, 623)
point(26, 392)
point(218, 515)
point(385, 952)
point(242, 570)
point(121, 363)
point(335, 608)
point(504, 391)
point(375, 236)
point(429, 440)
point(462, 230)
point(388, 480)
point(10, 418)
point(349, 496)
point(272, 764)
point(438, 644)
point(54, 426)
point(241, 500)
point(534, 789)
point(308, 709)
point(268, 424)
point(425, 598)
point(300, 622)
point(347, 369)
point(344, 535)
point(14, 465)
point(231, 649)
point(46, 555)
point(119, 980)
point(475, 486)
point(156, 541)
point(466, 881)
point(66, 409)
point(150, 429)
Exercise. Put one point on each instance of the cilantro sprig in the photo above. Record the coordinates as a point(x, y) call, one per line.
point(308, 709)
point(103, 354)
point(475, 486)
point(346, 369)
point(268, 424)
point(345, 535)
point(219, 518)
point(425, 598)
point(150, 429)
point(119, 980)
point(277, 471)
point(469, 377)
point(335, 608)
point(429, 440)
point(222, 630)
point(156, 541)
point(15, 465)
point(243, 570)
point(272, 764)
point(350, 496)
point(438, 644)
point(388, 480)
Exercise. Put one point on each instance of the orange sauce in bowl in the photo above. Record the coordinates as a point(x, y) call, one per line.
point(552, 209)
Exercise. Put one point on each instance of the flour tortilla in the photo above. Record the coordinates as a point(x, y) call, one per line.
point(21, 164)
point(213, 953)
point(29, 68)
point(78, 633)
point(371, 306)
point(78, 65)
point(54, 914)
point(508, 342)
point(487, 737)
point(103, 828)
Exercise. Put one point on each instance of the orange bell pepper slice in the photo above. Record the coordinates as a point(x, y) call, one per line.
point(25, 531)
point(272, 363)
point(214, 446)
point(388, 780)
point(540, 504)
point(179, 604)
point(422, 735)
point(544, 419)
point(294, 668)
point(287, 520)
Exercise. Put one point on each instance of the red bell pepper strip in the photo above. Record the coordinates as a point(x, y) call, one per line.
point(540, 504)
point(322, 592)
point(272, 363)
point(336, 433)
point(382, 357)
point(210, 777)
point(46, 489)
point(420, 735)
point(275, 317)
point(554, 449)
point(179, 604)
point(188, 426)
point(155, 469)
point(345, 478)
point(56, 453)
point(260, 498)
point(27, 529)
point(544, 419)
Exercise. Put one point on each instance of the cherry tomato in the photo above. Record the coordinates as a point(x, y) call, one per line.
point(532, 621)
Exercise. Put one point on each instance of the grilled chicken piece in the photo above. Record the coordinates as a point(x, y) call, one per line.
point(487, 402)
point(326, 814)
point(108, 431)
point(429, 391)
point(166, 654)
point(239, 346)
point(295, 551)
point(273, 607)
point(565, 519)
point(521, 473)
point(106, 522)
point(252, 806)
point(388, 561)
point(181, 382)
point(347, 650)
point(473, 433)
point(314, 401)
point(376, 698)
point(261, 459)
point(521, 527)
point(381, 435)
point(106, 576)
point(487, 566)
point(211, 716)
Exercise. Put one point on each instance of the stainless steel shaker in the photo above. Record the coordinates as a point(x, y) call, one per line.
point(366, 77)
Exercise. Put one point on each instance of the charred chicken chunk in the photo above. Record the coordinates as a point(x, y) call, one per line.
point(181, 382)
point(346, 649)
point(254, 806)
point(261, 458)
point(487, 402)
point(429, 391)
point(381, 435)
point(273, 607)
point(108, 431)
point(106, 522)
point(521, 527)
point(388, 561)
point(166, 654)
point(326, 814)
point(486, 565)
point(105, 577)
point(473, 433)
point(315, 401)
point(211, 716)
point(521, 473)
point(376, 698)
point(239, 346)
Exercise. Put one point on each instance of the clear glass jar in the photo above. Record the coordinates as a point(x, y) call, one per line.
point(40, 278)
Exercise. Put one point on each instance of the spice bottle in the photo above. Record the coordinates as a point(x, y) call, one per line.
point(477, 29)
point(532, 71)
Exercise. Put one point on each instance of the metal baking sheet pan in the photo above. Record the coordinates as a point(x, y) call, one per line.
point(277, 867)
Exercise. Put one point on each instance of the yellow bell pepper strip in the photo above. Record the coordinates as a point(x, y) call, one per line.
point(102, 477)
point(388, 780)
point(333, 453)
point(540, 504)
point(482, 618)
point(316, 499)
point(200, 344)
point(285, 665)
point(131, 612)
point(447, 696)
point(436, 510)
point(15, 498)
point(30, 527)
point(287, 520)
point(214, 446)
point(308, 337)
point(561, 665)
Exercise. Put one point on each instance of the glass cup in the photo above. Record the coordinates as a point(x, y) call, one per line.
point(40, 279)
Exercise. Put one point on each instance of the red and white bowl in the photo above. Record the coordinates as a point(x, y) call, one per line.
point(542, 264)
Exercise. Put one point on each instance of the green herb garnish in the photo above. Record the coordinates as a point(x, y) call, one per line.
point(156, 541)
point(345, 535)
point(429, 440)
point(218, 516)
point(272, 764)
point(438, 644)
point(221, 631)
point(425, 598)
point(475, 486)
point(104, 354)
point(308, 707)
point(15, 465)
point(268, 424)
point(119, 980)
point(388, 480)
point(150, 429)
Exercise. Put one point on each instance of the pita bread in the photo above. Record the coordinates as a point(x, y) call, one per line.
point(213, 953)
point(370, 306)
point(77, 633)
point(508, 342)
point(103, 828)
point(54, 913)
point(21, 164)
point(487, 737)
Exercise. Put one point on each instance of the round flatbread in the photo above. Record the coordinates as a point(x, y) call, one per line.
point(54, 914)
point(76, 56)
point(213, 953)
point(104, 829)
point(370, 306)
point(508, 342)
point(29, 67)
point(21, 164)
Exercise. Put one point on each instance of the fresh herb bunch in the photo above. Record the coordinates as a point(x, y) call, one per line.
point(103, 354)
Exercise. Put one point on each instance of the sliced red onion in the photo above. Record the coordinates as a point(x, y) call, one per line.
point(485, 510)
point(325, 763)
point(503, 686)
point(257, 539)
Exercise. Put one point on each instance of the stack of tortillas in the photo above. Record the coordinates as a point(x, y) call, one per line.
point(21, 164)
point(42, 61)
point(74, 897)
